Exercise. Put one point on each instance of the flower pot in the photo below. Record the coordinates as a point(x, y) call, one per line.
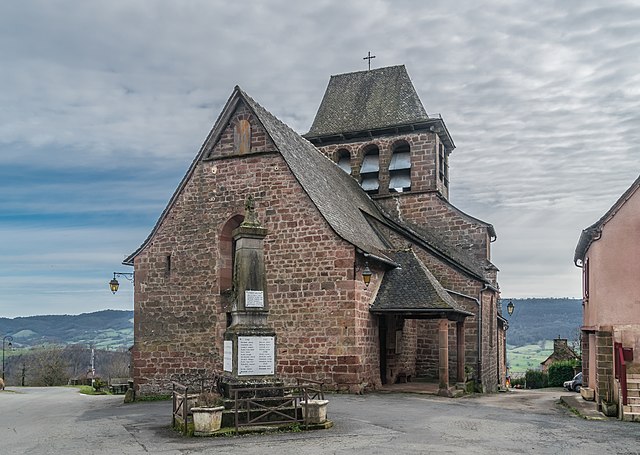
point(206, 420)
point(314, 411)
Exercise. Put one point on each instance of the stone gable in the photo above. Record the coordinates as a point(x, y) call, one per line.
point(317, 308)
point(243, 135)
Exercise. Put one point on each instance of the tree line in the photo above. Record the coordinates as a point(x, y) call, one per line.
point(537, 319)
point(59, 365)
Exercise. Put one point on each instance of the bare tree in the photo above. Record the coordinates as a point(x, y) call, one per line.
point(113, 364)
point(49, 367)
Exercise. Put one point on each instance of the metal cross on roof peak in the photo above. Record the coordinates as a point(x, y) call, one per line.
point(369, 57)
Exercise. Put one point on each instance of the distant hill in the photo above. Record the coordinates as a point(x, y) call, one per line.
point(102, 329)
point(534, 320)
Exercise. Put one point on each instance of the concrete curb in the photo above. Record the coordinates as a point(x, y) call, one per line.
point(585, 409)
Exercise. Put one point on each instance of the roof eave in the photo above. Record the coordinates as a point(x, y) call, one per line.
point(434, 313)
point(592, 233)
point(435, 125)
point(586, 239)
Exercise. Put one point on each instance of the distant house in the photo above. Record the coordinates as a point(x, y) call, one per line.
point(608, 253)
point(561, 352)
point(85, 378)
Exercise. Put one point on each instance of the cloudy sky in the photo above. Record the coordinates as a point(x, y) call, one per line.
point(103, 105)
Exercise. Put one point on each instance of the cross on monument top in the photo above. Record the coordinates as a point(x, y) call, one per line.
point(369, 57)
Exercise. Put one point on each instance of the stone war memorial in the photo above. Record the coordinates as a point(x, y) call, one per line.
point(336, 256)
point(249, 343)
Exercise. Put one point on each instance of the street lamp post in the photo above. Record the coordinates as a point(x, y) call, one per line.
point(7, 339)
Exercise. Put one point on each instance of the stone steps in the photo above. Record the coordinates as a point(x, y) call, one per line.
point(631, 412)
point(631, 416)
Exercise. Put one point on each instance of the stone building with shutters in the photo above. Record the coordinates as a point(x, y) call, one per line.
point(366, 189)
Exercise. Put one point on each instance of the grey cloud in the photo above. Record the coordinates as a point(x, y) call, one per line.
point(542, 100)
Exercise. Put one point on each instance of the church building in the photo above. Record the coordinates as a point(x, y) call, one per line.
point(372, 275)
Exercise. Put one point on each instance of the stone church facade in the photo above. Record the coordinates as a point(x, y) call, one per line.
point(366, 189)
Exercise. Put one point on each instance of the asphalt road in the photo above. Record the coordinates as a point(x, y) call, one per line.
point(62, 421)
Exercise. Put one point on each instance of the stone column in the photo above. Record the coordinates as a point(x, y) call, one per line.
point(606, 393)
point(443, 336)
point(460, 344)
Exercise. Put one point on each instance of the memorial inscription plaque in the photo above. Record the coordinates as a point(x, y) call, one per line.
point(256, 356)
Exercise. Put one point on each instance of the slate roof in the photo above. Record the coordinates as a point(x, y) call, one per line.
point(345, 206)
point(463, 258)
point(412, 288)
point(338, 197)
point(367, 100)
point(592, 233)
point(565, 354)
point(440, 244)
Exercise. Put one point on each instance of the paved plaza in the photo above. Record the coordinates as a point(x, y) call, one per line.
point(61, 420)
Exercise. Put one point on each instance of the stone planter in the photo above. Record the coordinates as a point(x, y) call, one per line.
point(609, 409)
point(314, 411)
point(206, 420)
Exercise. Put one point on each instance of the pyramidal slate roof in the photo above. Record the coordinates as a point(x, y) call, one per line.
point(412, 288)
point(367, 100)
point(338, 197)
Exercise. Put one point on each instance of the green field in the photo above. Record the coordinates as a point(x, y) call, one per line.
point(522, 358)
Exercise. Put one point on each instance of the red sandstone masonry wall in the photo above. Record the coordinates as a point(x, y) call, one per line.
point(368, 331)
point(319, 312)
point(424, 206)
point(429, 209)
point(423, 148)
point(427, 331)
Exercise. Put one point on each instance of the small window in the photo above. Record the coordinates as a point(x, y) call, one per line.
point(344, 160)
point(443, 159)
point(242, 136)
point(585, 278)
point(369, 171)
point(400, 169)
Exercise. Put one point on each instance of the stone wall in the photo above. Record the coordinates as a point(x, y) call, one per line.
point(424, 159)
point(319, 312)
point(319, 306)
point(606, 391)
point(430, 209)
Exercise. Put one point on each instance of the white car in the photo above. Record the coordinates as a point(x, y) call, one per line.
point(575, 384)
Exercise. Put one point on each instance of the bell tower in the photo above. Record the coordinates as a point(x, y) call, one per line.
point(374, 126)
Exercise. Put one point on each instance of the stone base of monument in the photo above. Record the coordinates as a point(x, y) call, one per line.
point(252, 398)
point(264, 402)
point(248, 388)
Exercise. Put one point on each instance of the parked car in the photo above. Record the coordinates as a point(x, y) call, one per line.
point(575, 384)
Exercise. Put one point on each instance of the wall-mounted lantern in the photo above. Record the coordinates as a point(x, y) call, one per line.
point(114, 285)
point(510, 307)
point(366, 274)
